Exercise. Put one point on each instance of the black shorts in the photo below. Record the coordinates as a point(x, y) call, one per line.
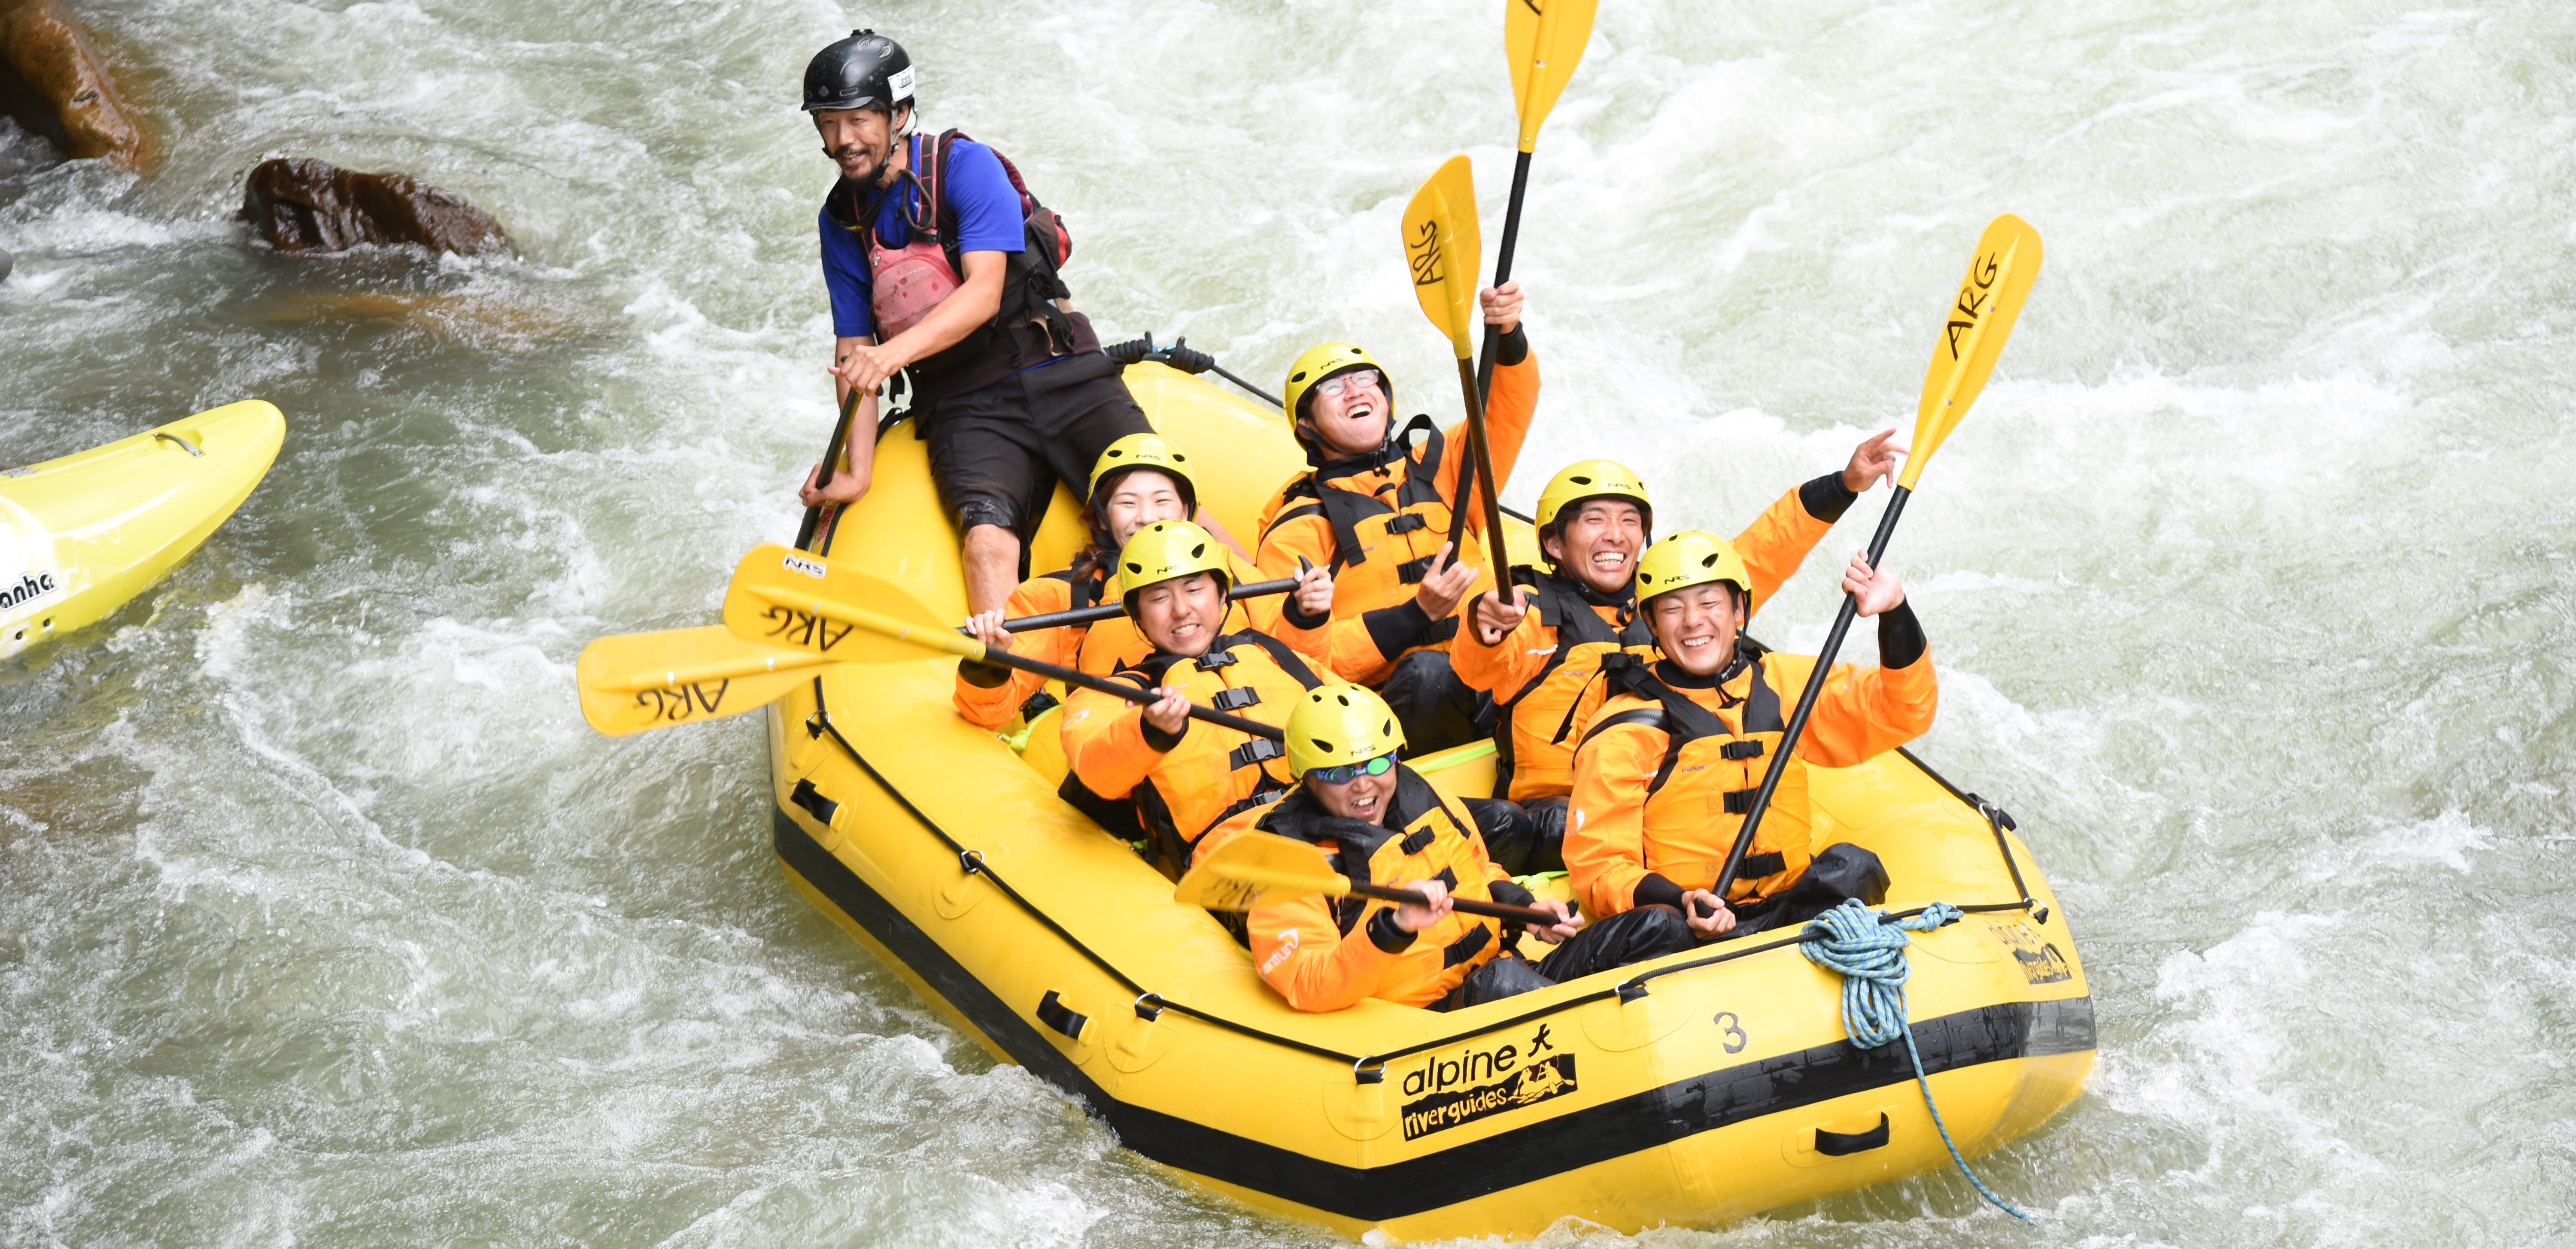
point(997, 452)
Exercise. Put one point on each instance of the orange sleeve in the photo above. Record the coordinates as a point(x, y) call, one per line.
point(1508, 409)
point(1104, 743)
point(992, 706)
point(1304, 957)
point(1506, 668)
point(1866, 712)
point(1347, 648)
point(1777, 542)
point(1605, 822)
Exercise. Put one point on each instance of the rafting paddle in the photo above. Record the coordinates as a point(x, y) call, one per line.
point(1543, 41)
point(1443, 250)
point(1112, 611)
point(631, 682)
point(782, 597)
point(1253, 865)
point(823, 474)
point(1973, 331)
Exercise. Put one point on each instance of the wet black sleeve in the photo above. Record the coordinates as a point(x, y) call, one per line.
point(1510, 893)
point(1900, 637)
point(1395, 630)
point(1515, 346)
point(1825, 499)
point(1297, 616)
point(1656, 888)
point(1383, 933)
point(982, 676)
point(1160, 742)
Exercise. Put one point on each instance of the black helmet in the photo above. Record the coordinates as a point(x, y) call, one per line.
point(866, 70)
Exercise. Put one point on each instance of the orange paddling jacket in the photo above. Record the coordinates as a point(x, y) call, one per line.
point(1327, 953)
point(989, 695)
point(1376, 520)
point(1187, 784)
point(1541, 673)
point(1667, 770)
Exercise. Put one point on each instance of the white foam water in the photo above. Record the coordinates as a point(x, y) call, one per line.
point(323, 920)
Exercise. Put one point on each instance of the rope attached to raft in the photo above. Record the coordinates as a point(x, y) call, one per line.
point(1852, 941)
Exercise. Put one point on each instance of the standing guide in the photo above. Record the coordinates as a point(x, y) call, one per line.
point(938, 259)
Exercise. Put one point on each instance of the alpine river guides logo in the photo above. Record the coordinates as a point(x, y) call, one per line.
point(1510, 1083)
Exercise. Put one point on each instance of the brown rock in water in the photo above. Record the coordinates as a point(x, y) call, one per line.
point(52, 82)
point(308, 205)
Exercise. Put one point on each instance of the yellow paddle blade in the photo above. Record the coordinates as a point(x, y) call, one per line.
point(1443, 250)
point(631, 682)
point(1973, 331)
point(784, 597)
point(1253, 865)
point(1543, 39)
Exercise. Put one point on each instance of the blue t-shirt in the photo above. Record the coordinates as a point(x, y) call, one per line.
point(988, 220)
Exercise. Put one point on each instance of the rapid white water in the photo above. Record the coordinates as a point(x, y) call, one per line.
point(324, 920)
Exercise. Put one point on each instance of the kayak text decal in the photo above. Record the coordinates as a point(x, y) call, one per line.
point(30, 587)
point(1533, 1083)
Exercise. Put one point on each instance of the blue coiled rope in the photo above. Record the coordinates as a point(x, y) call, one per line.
point(1870, 956)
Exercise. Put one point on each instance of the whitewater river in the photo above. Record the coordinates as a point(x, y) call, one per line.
point(324, 920)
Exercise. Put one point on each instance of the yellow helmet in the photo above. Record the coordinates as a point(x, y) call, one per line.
point(1167, 549)
point(1340, 724)
point(1323, 361)
point(1145, 451)
point(1592, 479)
point(1691, 557)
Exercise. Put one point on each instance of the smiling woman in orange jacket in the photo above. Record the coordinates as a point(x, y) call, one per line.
point(1665, 774)
point(1375, 508)
point(1140, 479)
point(1376, 819)
point(1185, 777)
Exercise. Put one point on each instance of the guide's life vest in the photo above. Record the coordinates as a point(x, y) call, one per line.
point(1035, 318)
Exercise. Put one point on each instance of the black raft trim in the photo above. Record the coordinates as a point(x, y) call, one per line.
point(1639, 1121)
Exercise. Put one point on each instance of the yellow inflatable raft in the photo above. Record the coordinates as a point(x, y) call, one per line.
point(1690, 1090)
point(80, 536)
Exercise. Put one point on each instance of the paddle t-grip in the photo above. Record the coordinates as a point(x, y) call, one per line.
point(1807, 700)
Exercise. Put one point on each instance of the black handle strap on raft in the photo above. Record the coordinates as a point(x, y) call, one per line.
point(1055, 1014)
point(1844, 1144)
point(1182, 356)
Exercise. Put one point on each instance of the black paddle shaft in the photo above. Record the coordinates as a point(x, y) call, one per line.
point(1807, 700)
point(1111, 611)
point(823, 475)
point(1493, 341)
point(1491, 910)
point(1132, 693)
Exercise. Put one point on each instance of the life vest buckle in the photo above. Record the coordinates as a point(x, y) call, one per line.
point(1213, 660)
point(1235, 698)
point(1253, 752)
point(1739, 801)
point(1750, 748)
point(1407, 522)
point(1412, 571)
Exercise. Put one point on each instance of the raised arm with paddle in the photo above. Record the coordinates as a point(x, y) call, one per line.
point(1973, 331)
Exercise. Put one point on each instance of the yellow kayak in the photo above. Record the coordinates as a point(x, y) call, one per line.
point(80, 536)
point(1693, 1089)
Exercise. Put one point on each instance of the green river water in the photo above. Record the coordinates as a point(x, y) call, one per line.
point(324, 920)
